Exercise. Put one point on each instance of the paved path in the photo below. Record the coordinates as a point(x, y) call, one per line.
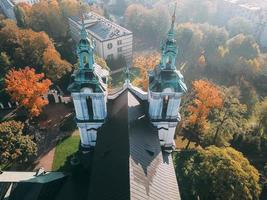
point(46, 161)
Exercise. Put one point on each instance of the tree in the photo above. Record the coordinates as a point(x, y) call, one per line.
point(217, 173)
point(22, 13)
point(227, 120)
point(261, 116)
point(27, 88)
point(153, 23)
point(25, 47)
point(145, 63)
point(15, 146)
point(196, 11)
point(204, 97)
point(101, 62)
point(5, 64)
point(54, 66)
point(189, 38)
point(241, 58)
point(47, 16)
point(238, 25)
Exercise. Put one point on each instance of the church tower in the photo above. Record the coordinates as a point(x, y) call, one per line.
point(89, 91)
point(166, 87)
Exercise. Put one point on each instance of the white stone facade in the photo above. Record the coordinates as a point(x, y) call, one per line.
point(89, 122)
point(165, 122)
point(116, 41)
point(156, 101)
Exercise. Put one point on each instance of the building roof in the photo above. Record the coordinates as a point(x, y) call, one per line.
point(250, 4)
point(30, 185)
point(128, 162)
point(100, 27)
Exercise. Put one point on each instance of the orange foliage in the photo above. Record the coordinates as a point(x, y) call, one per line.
point(27, 88)
point(145, 63)
point(207, 97)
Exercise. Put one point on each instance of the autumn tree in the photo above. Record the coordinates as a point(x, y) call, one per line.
point(216, 173)
point(204, 97)
point(25, 47)
point(15, 146)
point(228, 120)
point(22, 12)
point(145, 63)
point(28, 88)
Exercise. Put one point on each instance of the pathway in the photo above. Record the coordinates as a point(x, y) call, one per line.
point(46, 161)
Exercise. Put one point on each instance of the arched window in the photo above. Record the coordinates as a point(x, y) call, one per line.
point(85, 61)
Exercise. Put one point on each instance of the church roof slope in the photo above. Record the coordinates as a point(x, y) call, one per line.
point(128, 161)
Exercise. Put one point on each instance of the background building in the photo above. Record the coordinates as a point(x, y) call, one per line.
point(8, 6)
point(111, 39)
point(255, 11)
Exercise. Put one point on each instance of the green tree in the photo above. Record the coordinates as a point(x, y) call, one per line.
point(216, 173)
point(261, 116)
point(227, 120)
point(5, 64)
point(153, 23)
point(238, 25)
point(15, 146)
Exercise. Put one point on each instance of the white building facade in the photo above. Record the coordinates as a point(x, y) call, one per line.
point(111, 39)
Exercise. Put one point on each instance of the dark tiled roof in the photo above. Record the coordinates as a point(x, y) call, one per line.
point(26, 186)
point(102, 28)
point(128, 161)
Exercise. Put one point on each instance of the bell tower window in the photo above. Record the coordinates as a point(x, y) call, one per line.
point(165, 106)
point(85, 61)
point(90, 107)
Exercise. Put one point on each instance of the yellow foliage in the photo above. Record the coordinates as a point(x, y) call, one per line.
point(145, 63)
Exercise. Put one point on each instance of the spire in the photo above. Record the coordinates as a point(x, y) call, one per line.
point(127, 74)
point(169, 47)
point(83, 33)
point(171, 31)
point(174, 17)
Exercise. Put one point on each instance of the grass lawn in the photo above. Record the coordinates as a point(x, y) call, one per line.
point(64, 150)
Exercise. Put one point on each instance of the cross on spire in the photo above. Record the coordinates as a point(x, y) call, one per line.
point(83, 33)
point(174, 17)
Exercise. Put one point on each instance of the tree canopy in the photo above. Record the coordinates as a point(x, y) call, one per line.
point(204, 97)
point(25, 47)
point(216, 173)
point(28, 88)
point(145, 63)
point(15, 146)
